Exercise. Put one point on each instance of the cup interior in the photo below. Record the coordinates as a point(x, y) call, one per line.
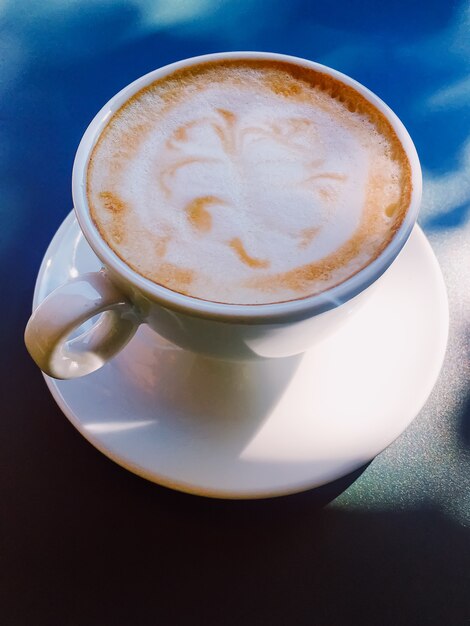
point(254, 313)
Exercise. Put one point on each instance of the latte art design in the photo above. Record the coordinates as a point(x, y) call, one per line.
point(245, 182)
point(230, 146)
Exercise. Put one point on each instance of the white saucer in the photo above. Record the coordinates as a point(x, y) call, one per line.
point(266, 428)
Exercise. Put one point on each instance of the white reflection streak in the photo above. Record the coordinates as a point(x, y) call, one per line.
point(164, 13)
point(451, 97)
point(75, 248)
point(451, 44)
point(443, 193)
point(101, 428)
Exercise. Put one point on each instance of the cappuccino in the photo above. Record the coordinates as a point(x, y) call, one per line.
point(248, 182)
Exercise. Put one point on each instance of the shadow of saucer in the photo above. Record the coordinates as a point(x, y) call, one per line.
point(265, 508)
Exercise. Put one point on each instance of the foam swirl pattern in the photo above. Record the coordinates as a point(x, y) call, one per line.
point(248, 182)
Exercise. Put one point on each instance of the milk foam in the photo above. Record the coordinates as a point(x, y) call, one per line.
point(243, 183)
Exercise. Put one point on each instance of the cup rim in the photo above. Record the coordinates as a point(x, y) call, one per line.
point(251, 313)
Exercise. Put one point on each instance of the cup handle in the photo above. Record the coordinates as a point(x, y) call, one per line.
point(66, 309)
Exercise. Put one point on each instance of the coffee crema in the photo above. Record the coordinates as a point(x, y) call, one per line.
point(248, 182)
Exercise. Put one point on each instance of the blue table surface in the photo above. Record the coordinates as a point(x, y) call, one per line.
point(392, 547)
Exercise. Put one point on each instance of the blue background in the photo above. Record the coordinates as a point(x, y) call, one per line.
point(391, 548)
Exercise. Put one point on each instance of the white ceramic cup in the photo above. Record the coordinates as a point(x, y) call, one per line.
point(126, 299)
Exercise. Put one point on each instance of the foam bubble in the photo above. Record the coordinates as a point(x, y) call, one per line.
point(248, 182)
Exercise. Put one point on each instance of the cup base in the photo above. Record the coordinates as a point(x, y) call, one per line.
point(266, 428)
